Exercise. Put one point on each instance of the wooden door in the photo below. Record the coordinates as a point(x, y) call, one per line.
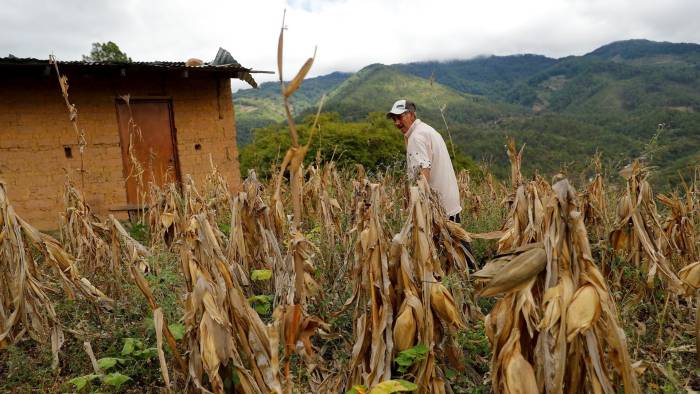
point(147, 139)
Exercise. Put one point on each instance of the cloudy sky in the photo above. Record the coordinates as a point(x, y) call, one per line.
point(349, 34)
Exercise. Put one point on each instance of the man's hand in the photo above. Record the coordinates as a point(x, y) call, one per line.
point(426, 173)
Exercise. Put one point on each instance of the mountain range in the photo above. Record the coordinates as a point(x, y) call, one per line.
point(625, 100)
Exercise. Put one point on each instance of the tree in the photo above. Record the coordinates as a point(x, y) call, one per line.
point(106, 52)
point(373, 142)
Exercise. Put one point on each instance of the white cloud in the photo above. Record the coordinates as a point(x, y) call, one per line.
point(349, 33)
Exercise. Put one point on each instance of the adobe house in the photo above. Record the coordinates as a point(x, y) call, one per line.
point(183, 115)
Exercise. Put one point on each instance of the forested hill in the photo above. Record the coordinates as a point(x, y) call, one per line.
point(263, 106)
point(614, 99)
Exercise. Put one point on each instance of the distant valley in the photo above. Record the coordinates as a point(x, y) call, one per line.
point(625, 99)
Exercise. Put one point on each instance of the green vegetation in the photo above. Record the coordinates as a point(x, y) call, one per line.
point(106, 52)
point(123, 341)
point(261, 107)
point(490, 76)
point(611, 100)
point(375, 143)
point(406, 358)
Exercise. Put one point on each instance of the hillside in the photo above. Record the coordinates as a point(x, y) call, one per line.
point(263, 106)
point(614, 100)
point(376, 87)
point(645, 51)
point(490, 76)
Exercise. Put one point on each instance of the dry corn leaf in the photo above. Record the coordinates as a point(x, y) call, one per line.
point(517, 272)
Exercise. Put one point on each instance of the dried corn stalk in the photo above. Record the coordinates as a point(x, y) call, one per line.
point(679, 227)
point(24, 305)
point(372, 295)
point(252, 243)
point(425, 302)
point(83, 234)
point(294, 282)
point(126, 248)
point(555, 329)
point(690, 275)
point(160, 323)
point(470, 199)
point(195, 203)
point(216, 190)
point(637, 230)
point(593, 202)
point(516, 158)
point(525, 220)
point(312, 188)
point(223, 332)
point(331, 179)
point(136, 167)
point(318, 200)
point(164, 214)
point(73, 116)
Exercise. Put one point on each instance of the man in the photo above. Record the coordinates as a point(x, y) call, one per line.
point(426, 153)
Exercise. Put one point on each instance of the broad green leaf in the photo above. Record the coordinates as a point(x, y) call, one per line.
point(408, 357)
point(81, 381)
point(108, 362)
point(262, 309)
point(261, 303)
point(146, 353)
point(178, 330)
point(393, 386)
point(115, 379)
point(358, 389)
point(131, 344)
point(261, 275)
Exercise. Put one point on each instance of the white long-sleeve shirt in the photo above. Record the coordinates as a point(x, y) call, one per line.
point(425, 148)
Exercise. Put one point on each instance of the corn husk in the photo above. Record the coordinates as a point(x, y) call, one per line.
point(548, 330)
point(637, 230)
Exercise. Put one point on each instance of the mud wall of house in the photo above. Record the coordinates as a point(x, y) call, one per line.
point(36, 135)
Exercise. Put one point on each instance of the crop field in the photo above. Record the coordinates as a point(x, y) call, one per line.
point(328, 280)
point(542, 288)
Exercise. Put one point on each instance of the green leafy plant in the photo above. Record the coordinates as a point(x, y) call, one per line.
point(133, 351)
point(261, 275)
point(408, 357)
point(81, 381)
point(385, 387)
point(139, 232)
point(177, 329)
point(115, 379)
point(135, 348)
point(109, 362)
point(261, 303)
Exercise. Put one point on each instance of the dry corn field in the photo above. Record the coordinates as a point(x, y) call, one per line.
point(364, 288)
point(322, 280)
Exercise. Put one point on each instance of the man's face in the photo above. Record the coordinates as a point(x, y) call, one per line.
point(404, 121)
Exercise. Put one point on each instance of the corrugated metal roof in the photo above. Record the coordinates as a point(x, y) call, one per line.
point(234, 70)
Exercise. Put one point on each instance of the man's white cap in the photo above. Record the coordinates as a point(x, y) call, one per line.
point(400, 107)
